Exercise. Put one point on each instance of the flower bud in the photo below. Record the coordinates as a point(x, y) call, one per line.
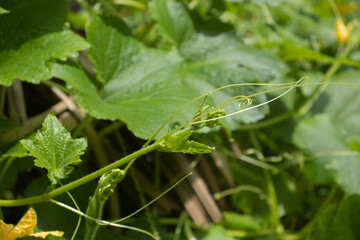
point(342, 32)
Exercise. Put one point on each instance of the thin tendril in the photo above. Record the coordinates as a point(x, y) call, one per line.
point(152, 201)
point(77, 207)
point(114, 223)
point(249, 108)
point(101, 222)
point(206, 94)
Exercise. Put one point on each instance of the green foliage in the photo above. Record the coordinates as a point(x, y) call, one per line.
point(138, 79)
point(54, 149)
point(35, 35)
point(332, 158)
point(179, 142)
point(340, 221)
point(217, 232)
point(169, 14)
point(162, 71)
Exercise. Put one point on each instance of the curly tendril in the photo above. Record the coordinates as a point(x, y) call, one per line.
point(245, 102)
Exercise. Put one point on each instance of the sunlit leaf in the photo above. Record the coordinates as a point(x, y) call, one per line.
point(32, 36)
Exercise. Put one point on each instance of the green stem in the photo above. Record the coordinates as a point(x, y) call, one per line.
point(82, 125)
point(319, 213)
point(179, 225)
point(111, 128)
point(50, 83)
point(2, 100)
point(5, 168)
point(272, 199)
point(264, 235)
point(79, 182)
point(187, 230)
point(328, 75)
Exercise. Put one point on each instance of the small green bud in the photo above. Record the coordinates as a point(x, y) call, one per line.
point(214, 114)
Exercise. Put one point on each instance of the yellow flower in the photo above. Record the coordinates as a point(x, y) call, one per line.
point(25, 227)
point(342, 32)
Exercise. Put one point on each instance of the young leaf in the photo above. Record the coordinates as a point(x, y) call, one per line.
point(179, 143)
point(32, 35)
point(54, 149)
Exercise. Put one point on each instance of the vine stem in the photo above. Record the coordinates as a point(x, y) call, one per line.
point(79, 182)
point(329, 198)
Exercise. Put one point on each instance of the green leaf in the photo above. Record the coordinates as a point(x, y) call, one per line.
point(17, 150)
point(173, 20)
point(332, 158)
point(340, 221)
point(179, 142)
point(139, 81)
point(54, 149)
point(32, 35)
point(217, 232)
point(341, 103)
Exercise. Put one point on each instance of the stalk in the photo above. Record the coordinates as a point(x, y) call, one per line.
point(79, 182)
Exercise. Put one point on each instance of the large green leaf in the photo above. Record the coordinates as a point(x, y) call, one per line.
point(54, 149)
point(173, 20)
point(143, 87)
point(31, 35)
point(332, 158)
